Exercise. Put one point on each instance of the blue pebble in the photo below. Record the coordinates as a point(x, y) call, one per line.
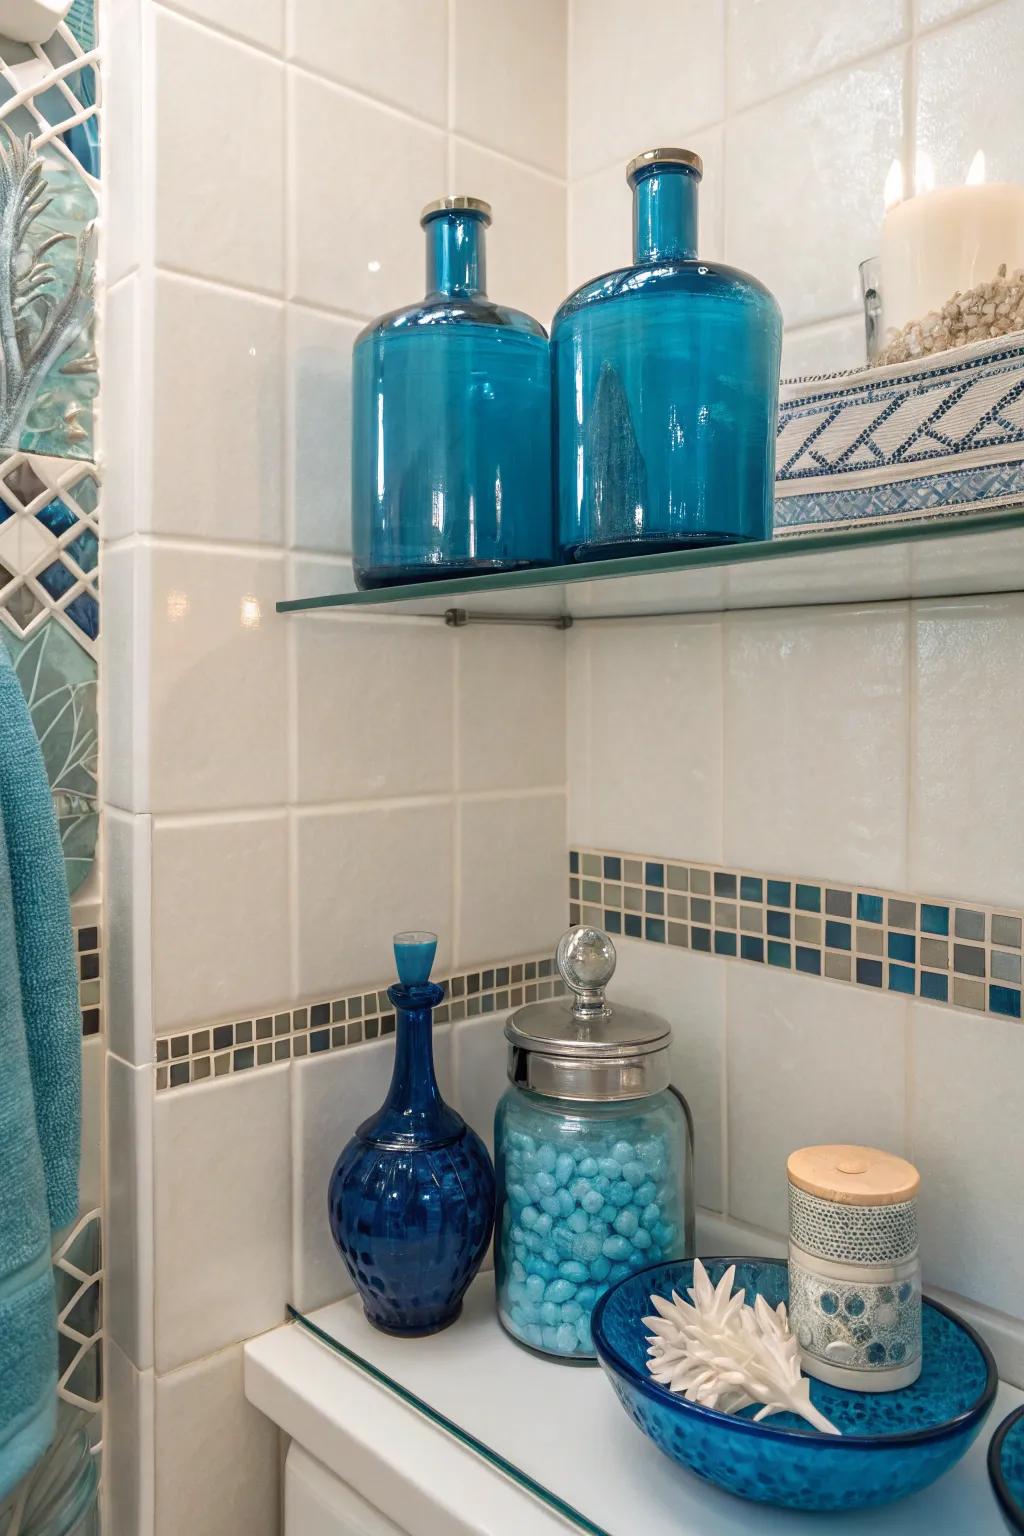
point(530, 1164)
point(578, 1222)
point(587, 1247)
point(646, 1193)
point(608, 1213)
point(583, 1334)
point(560, 1290)
point(528, 1215)
point(546, 1157)
point(517, 1194)
point(636, 1259)
point(592, 1202)
point(565, 1167)
point(620, 1193)
point(615, 1247)
point(602, 1184)
point(609, 1168)
point(542, 1268)
point(651, 1217)
point(562, 1240)
point(572, 1270)
point(617, 1272)
point(517, 1291)
point(572, 1311)
point(542, 1226)
point(518, 1272)
point(665, 1234)
point(588, 1167)
point(627, 1223)
point(545, 1182)
point(579, 1189)
point(642, 1239)
point(585, 1298)
point(550, 1314)
point(566, 1203)
point(535, 1287)
point(600, 1268)
point(533, 1335)
point(533, 1242)
point(549, 1338)
point(634, 1174)
point(550, 1254)
point(567, 1339)
point(622, 1152)
point(549, 1203)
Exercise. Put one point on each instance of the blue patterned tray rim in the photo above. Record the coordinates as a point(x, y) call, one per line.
point(977, 1411)
point(1011, 1502)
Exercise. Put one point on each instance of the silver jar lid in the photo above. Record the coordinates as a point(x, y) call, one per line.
point(581, 1047)
point(456, 205)
point(685, 157)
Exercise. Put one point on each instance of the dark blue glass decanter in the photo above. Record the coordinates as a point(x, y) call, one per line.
point(411, 1198)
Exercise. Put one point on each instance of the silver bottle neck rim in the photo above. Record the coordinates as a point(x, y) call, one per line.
point(475, 206)
point(664, 159)
point(605, 1079)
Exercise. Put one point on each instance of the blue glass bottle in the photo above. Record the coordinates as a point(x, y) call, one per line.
point(666, 387)
point(411, 1198)
point(451, 423)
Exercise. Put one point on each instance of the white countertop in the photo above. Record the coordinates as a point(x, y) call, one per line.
point(561, 1425)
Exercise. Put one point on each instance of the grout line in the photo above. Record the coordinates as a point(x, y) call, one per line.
point(203, 24)
point(234, 288)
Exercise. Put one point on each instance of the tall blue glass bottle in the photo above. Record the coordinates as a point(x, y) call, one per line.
point(666, 383)
point(451, 423)
point(411, 1198)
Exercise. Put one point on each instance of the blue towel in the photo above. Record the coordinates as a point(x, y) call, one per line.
point(40, 1085)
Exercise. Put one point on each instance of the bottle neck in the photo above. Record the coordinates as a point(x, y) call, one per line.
point(456, 265)
point(413, 1111)
point(665, 214)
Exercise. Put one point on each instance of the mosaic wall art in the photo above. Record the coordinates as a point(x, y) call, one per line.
point(943, 951)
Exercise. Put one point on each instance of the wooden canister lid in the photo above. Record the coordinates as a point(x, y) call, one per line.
point(853, 1175)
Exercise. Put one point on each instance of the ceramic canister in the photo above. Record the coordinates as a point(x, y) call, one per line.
point(854, 1270)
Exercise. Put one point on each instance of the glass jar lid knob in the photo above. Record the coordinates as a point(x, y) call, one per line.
point(586, 963)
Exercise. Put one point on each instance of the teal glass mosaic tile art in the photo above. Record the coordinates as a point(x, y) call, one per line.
point(959, 953)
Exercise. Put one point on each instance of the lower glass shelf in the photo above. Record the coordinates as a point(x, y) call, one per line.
point(953, 557)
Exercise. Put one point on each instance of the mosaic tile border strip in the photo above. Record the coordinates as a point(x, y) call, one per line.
point(88, 959)
point(963, 954)
point(331, 1024)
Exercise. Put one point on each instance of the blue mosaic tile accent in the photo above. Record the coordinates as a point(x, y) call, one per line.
point(883, 940)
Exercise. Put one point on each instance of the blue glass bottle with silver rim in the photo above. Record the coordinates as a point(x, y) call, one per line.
point(451, 423)
point(411, 1198)
point(666, 387)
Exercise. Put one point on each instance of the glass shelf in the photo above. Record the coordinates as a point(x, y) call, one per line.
point(951, 558)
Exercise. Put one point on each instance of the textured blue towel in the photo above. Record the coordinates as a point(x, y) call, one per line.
point(40, 1085)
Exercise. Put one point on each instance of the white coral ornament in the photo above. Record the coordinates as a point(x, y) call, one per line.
point(723, 1354)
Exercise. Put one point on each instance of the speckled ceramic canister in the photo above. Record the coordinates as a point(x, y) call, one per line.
point(854, 1269)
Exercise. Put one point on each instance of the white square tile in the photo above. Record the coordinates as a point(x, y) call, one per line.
point(816, 756)
point(800, 1056)
point(217, 449)
point(90, 1168)
point(320, 424)
point(967, 1141)
point(511, 717)
point(386, 167)
point(526, 242)
point(646, 776)
point(512, 895)
point(932, 12)
point(128, 935)
point(219, 188)
point(804, 242)
point(772, 47)
point(508, 89)
point(258, 21)
point(968, 91)
point(222, 1179)
point(128, 1238)
point(217, 679)
point(331, 1097)
point(119, 423)
point(217, 1457)
point(374, 713)
point(632, 85)
point(966, 838)
point(128, 1454)
point(385, 48)
point(219, 907)
point(480, 1065)
point(364, 875)
point(689, 991)
point(320, 576)
point(123, 715)
point(824, 348)
point(125, 79)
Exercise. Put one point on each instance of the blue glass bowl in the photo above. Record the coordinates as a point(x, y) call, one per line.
point(892, 1443)
point(1006, 1468)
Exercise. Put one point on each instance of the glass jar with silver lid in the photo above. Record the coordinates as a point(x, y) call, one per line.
point(593, 1153)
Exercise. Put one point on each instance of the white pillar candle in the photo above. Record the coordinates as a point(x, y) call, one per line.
point(946, 241)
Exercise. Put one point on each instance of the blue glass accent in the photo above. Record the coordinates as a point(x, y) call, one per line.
point(934, 919)
point(901, 979)
point(666, 388)
point(751, 948)
point(320, 1040)
point(700, 940)
point(411, 1198)
point(85, 550)
point(935, 986)
point(808, 960)
point(654, 901)
point(778, 924)
point(5, 512)
point(613, 922)
point(414, 957)
point(869, 908)
point(902, 946)
point(56, 517)
point(451, 426)
point(655, 929)
point(86, 493)
point(56, 579)
point(574, 863)
point(751, 888)
point(778, 953)
point(85, 611)
point(891, 1443)
point(725, 942)
point(725, 885)
point(1006, 1469)
point(243, 1059)
point(778, 893)
point(837, 935)
point(808, 898)
point(869, 973)
point(634, 928)
point(612, 868)
point(592, 890)
point(1005, 1000)
point(654, 874)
